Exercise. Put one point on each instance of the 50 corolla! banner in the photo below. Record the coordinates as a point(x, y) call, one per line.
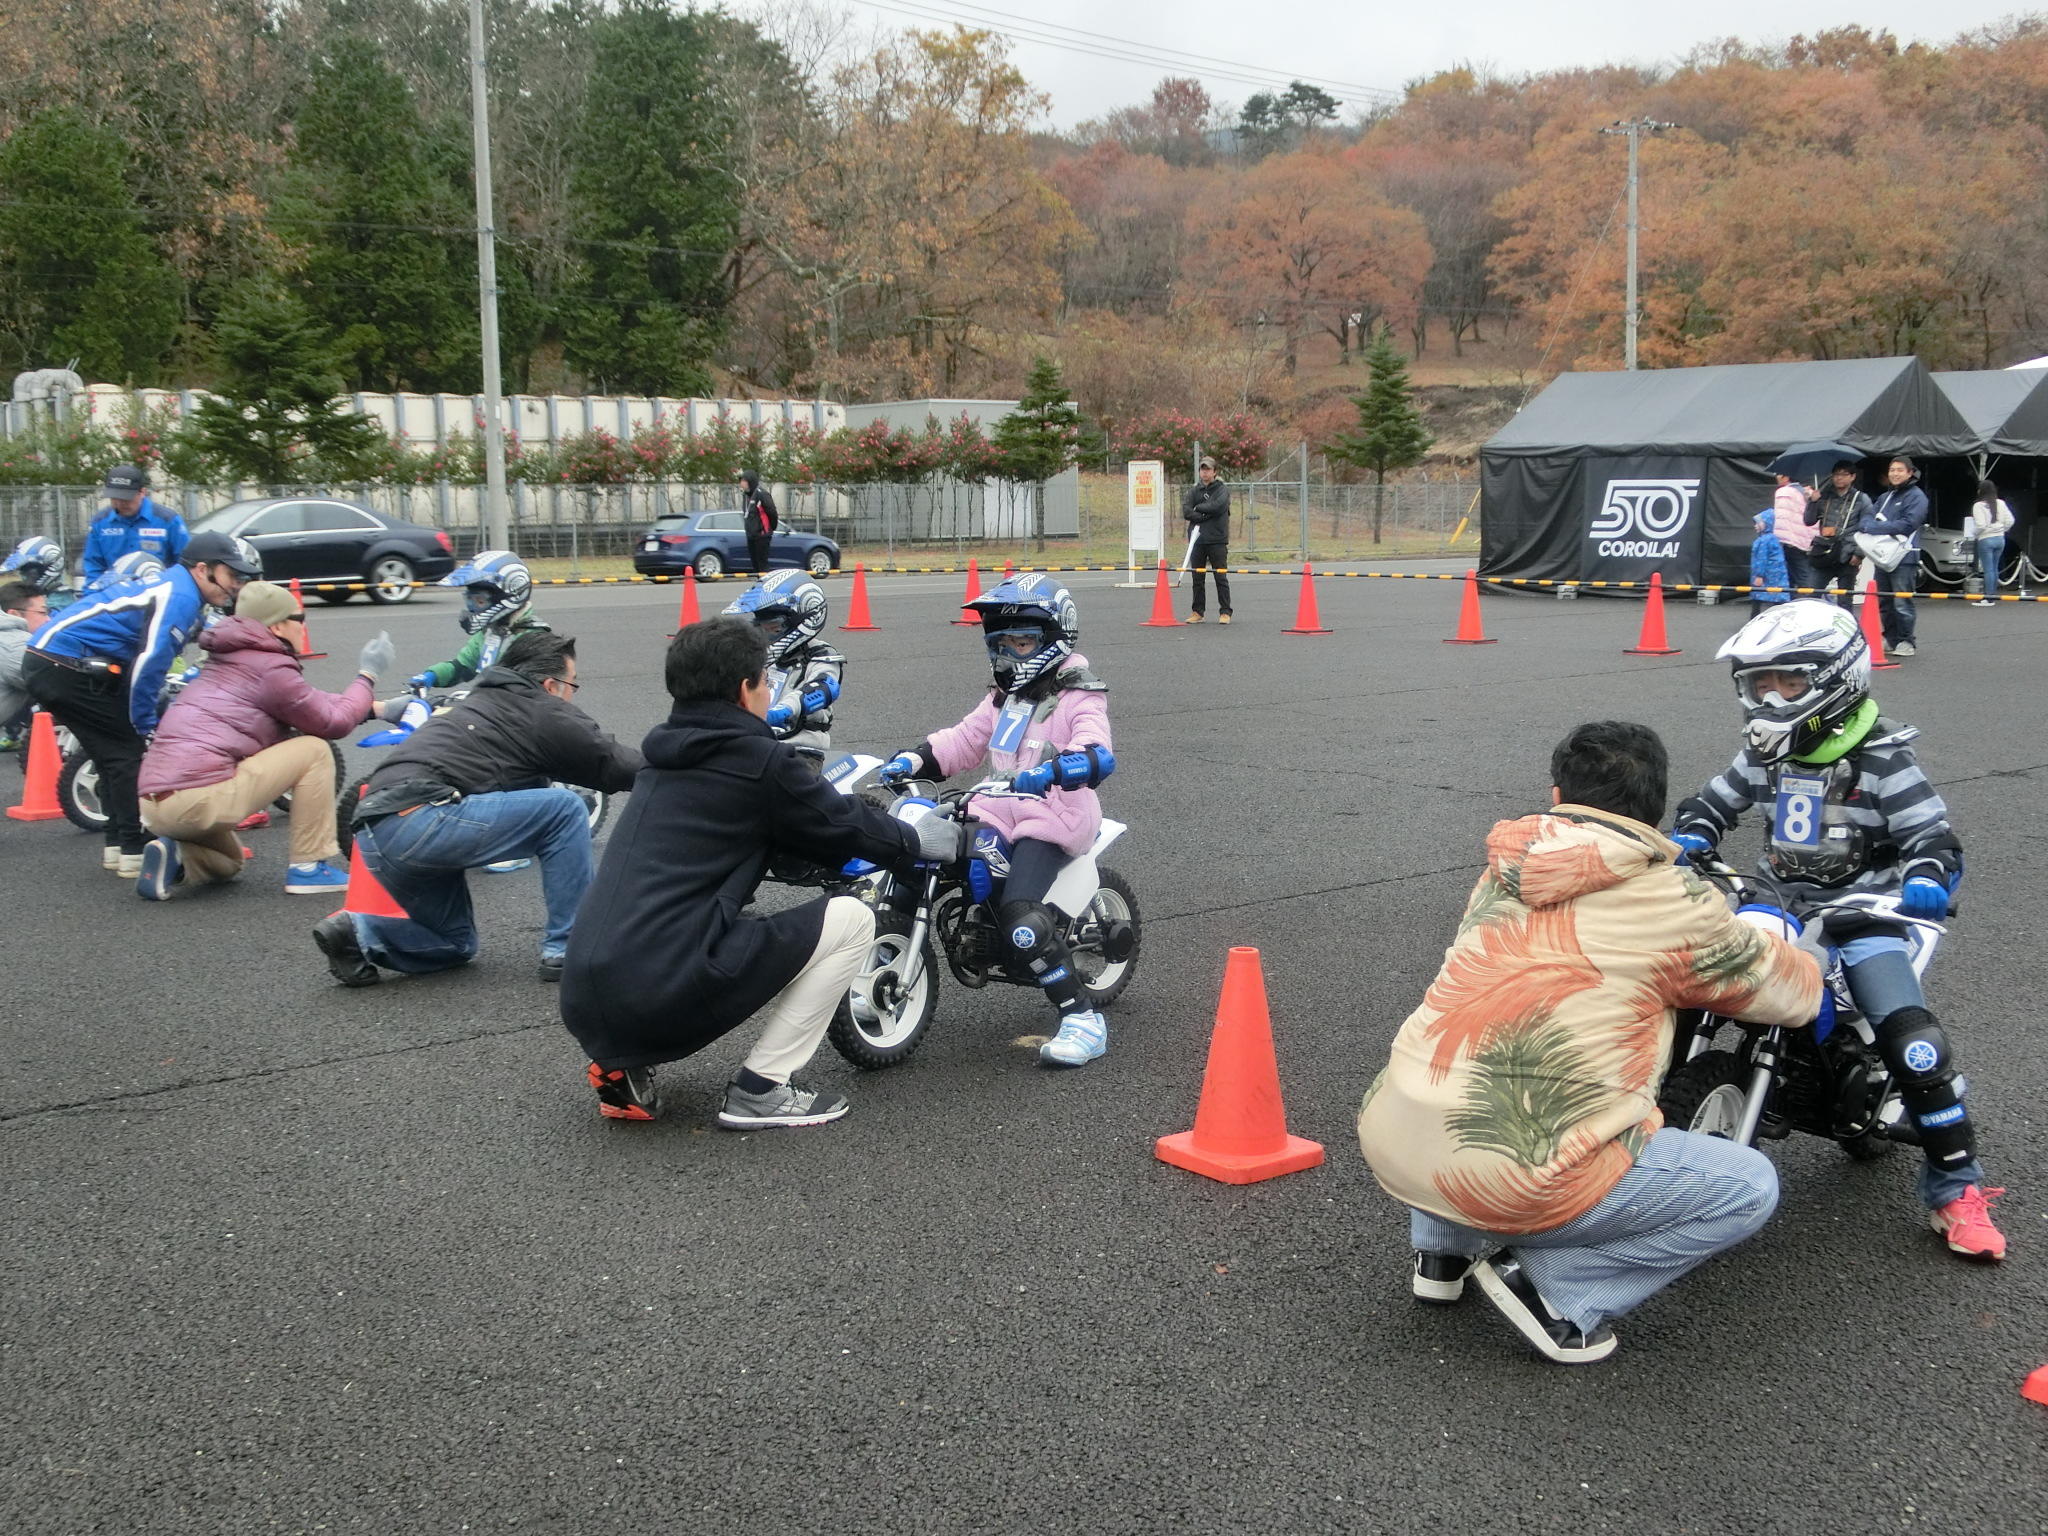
point(1643, 515)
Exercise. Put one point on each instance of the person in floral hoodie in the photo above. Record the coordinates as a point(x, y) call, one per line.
point(1517, 1117)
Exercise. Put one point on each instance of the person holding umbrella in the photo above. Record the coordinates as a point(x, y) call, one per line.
point(1799, 469)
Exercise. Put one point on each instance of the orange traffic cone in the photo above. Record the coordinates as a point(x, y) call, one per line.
point(1240, 1134)
point(306, 651)
point(968, 615)
point(1873, 629)
point(366, 896)
point(1652, 641)
point(1307, 621)
point(1009, 569)
point(2035, 1388)
point(1469, 631)
point(687, 614)
point(857, 616)
point(1162, 604)
point(39, 788)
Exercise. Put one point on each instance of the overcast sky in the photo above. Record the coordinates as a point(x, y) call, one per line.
point(1382, 45)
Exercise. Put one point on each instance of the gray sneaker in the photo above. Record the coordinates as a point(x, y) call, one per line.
point(1904, 648)
point(784, 1104)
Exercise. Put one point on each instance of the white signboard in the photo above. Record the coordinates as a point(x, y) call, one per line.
point(1145, 506)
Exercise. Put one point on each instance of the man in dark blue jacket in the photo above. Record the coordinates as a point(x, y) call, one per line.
point(1900, 511)
point(99, 668)
point(131, 522)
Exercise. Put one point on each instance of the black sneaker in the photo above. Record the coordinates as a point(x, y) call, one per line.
point(784, 1104)
point(625, 1093)
point(1516, 1298)
point(336, 936)
point(1440, 1277)
point(550, 969)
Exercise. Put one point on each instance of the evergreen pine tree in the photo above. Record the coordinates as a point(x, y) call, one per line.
point(1390, 434)
point(1040, 437)
point(276, 421)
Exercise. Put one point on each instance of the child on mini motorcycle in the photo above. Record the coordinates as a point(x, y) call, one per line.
point(804, 673)
point(1045, 722)
point(1851, 810)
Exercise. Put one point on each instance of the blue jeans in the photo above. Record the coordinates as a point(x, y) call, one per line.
point(1799, 569)
point(1895, 597)
point(421, 858)
point(1687, 1198)
point(1881, 980)
point(1989, 553)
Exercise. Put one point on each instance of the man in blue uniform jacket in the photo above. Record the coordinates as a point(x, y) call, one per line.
point(131, 522)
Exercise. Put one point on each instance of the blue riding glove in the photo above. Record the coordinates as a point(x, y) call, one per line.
point(1033, 781)
point(422, 679)
point(780, 716)
point(1691, 845)
point(1924, 898)
point(904, 765)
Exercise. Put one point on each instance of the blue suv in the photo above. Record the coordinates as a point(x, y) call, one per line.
point(714, 544)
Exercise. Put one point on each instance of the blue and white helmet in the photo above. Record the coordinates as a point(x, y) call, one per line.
point(37, 560)
point(497, 585)
point(1031, 604)
point(787, 607)
point(136, 565)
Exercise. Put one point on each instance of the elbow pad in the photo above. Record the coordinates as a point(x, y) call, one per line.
point(822, 694)
point(1083, 769)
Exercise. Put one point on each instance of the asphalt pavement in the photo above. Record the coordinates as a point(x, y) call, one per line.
point(286, 1257)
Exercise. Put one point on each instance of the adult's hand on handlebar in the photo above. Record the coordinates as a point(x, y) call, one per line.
point(1924, 898)
point(940, 839)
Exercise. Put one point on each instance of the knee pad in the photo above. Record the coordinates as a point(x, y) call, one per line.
point(1916, 1048)
point(1029, 930)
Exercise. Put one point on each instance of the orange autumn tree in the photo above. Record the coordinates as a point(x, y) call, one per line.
point(1305, 240)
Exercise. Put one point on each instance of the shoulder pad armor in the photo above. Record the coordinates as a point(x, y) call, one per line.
point(1887, 732)
point(1081, 679)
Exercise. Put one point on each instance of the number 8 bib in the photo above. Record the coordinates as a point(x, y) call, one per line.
point(1800, 804)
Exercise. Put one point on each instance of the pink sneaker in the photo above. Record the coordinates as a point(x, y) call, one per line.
point(253, 821)
point(1966, 1222)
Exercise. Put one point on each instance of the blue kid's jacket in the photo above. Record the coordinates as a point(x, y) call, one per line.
point(153, 528)
point(141, 625)
point(1767, 569)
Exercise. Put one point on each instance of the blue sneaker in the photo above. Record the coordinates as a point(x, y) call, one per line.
point(161, 870)
point(314, 879)
point(1083, 1036)
point(507, 866)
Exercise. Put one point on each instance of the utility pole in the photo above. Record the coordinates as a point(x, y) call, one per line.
point(1634, 128)
point(496, 533)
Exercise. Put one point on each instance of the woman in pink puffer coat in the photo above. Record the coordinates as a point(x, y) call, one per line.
point(1046, 724)
point(226, 747)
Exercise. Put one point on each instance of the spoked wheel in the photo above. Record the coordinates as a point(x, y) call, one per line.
point(596, 804)
point(1106, 940)
point(880, 1022)
point(391, 580)
point(78, 791)
point(1706, 1095)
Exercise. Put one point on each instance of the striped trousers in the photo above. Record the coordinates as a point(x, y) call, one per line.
point(1687, 1198)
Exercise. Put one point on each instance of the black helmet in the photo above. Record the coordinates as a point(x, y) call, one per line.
point(210, 548)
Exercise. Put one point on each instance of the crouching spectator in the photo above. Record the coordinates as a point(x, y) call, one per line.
point(227, 747)
point(23, 610)
point(1517, 1118)
point(474, 786)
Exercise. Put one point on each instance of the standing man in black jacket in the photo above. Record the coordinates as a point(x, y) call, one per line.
point(758, 518)
point(1207, 511)
point(472, 787)
point(665, 960)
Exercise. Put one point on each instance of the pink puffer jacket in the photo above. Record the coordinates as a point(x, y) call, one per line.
point(250, 694)
point(1069, 818)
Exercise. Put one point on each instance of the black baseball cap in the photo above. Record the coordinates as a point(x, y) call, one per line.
point(124, 480)
point(211, 548)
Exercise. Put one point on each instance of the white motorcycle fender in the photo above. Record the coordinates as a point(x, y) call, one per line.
point(1079, 881)
point(846, 773)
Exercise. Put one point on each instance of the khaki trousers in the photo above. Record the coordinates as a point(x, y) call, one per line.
point(793, 1023)
point(202, 821)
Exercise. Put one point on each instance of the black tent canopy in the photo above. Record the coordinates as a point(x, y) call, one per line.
point(2008, 410)
point(1611, 476)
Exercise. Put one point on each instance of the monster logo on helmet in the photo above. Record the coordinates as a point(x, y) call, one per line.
point(496, 584)
point(1030, 625)
point(787, 607)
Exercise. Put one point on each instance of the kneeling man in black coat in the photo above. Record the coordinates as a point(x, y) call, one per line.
point(664, 960)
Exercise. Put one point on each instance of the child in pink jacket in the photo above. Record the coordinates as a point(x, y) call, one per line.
point(1045, 722)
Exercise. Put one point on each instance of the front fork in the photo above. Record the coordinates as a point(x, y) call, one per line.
point(1764, 1061)
point(920, 931)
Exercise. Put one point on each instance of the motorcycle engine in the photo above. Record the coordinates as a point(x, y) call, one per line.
point(968, 936)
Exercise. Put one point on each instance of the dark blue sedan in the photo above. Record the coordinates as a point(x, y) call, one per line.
point(715, 544)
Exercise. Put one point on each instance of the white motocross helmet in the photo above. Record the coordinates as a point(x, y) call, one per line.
point(1801, 669)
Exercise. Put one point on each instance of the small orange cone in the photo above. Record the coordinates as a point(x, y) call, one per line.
point(39, 788)
point(1009, 569)
point(1162, 604)
point(1873, 627)
point(306, 651)
point(366, 896)
point(857, 616)
point(1240, 1134)
point(1469, 631)
point(968, 615)
point(687, 614)
point(1652, 641)
point(1307, 621)
point(2035, 1388)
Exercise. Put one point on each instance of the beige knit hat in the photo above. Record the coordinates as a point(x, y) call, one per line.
point(265, 602)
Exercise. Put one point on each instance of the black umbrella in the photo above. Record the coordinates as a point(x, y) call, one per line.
point(1809, 461)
